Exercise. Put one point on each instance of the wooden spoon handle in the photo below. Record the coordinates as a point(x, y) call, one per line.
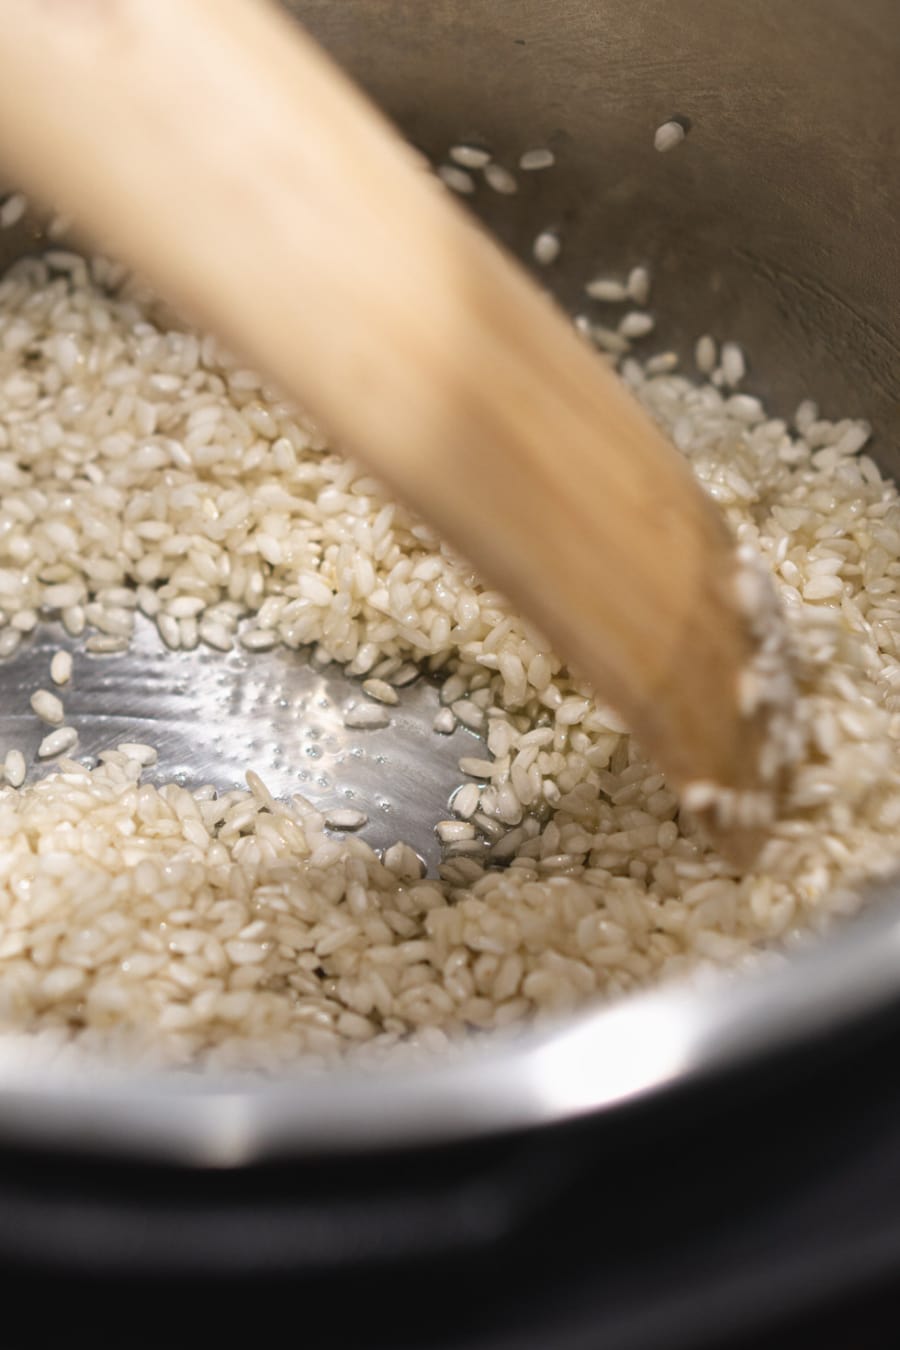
point(214, 146)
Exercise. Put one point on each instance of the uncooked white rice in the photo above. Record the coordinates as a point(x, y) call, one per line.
point(608, 339)
point(607, 289)
point(366, 716)
point(667, 136)
point(12, 210)
point(381, 691)
point(538, 158)
point(636, 325)
point(14, 768)
point(500, 179)
point(457, 179)
point(452, 831)
point(57, 742)
point(661, 364)
point(401, 674)
point(546, 247)
point(142, 467)
point(48, 707)
point(733, 366)
point(639, 285)
point(706, 354)
point(61, 667)
point(470, 156)
point(345, 818)
point(138, 751)
point(465, 801)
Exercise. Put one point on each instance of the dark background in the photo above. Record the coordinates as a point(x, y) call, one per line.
point(757, 1211)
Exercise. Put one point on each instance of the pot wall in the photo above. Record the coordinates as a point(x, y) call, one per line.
point(776, 222)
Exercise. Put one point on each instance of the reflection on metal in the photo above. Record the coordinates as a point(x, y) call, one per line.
point(212, 716)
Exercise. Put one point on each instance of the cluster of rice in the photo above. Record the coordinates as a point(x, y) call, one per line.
point(143, 469)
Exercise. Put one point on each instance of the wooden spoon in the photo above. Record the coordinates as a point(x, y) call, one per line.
point(212, 145)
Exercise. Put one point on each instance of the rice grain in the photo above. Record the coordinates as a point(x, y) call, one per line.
point(48, 707)
point(500, 179)
point(61, 667)
point(538, 158)
point(546, 248)
point(57, 742)
point(667, 136)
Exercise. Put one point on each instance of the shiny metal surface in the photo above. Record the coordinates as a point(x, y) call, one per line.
point(775, 223)
point(212, 716)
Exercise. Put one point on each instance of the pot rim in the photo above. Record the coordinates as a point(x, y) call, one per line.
point(639, 1049)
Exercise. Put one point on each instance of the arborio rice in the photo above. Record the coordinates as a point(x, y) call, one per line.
point(143, 469)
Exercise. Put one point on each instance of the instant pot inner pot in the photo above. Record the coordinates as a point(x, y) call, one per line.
point(774, 223)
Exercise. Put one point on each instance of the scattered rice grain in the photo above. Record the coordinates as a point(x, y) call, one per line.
point(48, 707)
point(500, 179)
point(546, 248)
point(457, 179)
point(667, 136)
point(57, 743)
point(538, 158)
point(61, 667)
point(470, 156)
point(14, 768)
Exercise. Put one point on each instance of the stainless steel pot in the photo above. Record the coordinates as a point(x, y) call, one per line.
point(776, 223)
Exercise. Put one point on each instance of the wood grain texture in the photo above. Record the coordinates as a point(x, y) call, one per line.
point(211, 144)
